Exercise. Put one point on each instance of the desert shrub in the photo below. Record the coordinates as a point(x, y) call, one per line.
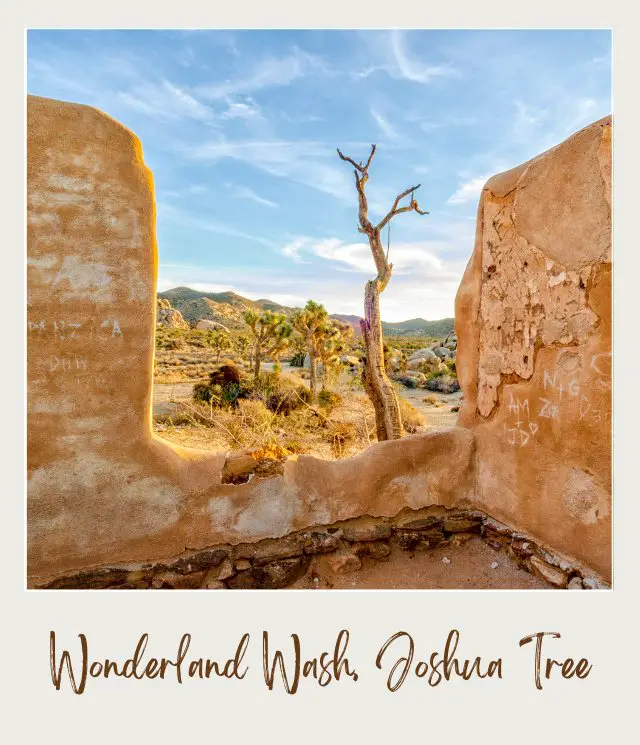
point(407, 381)
point(225, 374)
point(174, 344)
point(443, 384)
point(226, 387)
point(205, 393)
point(256, 416)
point(279, 394)
point(411, 417)
point(329, 399)
point(341, 435)
point(298, 359)
point(451, 364)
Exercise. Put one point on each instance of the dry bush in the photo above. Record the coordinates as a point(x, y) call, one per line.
point(411, 417)
point(341, 435)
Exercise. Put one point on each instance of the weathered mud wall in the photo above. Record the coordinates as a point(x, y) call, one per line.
point(102, 489)
point(533, 318)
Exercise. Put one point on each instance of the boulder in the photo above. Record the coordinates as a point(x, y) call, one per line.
point(421, 354)
point(426, 364)
point(350, 360)
point(206, 325)
point(168, 316)
point(442, 352)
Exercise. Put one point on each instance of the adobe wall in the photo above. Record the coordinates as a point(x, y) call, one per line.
point(533, 318)
point(102, 489)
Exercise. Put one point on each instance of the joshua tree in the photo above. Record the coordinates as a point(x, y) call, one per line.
point(377, 385)
point(242, 344)
point(219, 340)
point(269, 333)
point(310, 322)
point(333, 343)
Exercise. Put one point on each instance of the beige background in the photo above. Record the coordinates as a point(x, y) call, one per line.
point(596, 624)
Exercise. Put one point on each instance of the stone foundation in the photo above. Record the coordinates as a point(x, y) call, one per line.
point(278, 563)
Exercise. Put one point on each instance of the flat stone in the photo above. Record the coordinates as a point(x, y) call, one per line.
point(593, 583)
point(177, 581)
point(459, 539)
point(461, 525)
point(320, 542)
point(493, 526)
point(372, 549)
point(411, 540)
point(271, 576)
point(242, 564)
point(224, 571)
point(553, 575)
point(374, 532)
point(270, 550)
point(197, 561)
point(575, 584)
point(522, 549)
point(343, 562)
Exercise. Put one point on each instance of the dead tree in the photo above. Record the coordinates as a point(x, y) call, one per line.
point(376, 382)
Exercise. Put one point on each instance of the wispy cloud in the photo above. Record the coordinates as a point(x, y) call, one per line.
point(412, 69)
point(583, 113)
point(385, 127)
point(247, 109)
point(244, 192)
point(165, 101)
point(313, 164)
point(167, 213)
point(268, 73)
point(469, 190)
point(292, 249)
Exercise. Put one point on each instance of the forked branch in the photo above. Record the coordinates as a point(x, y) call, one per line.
point(358, 166)
point(413, 206)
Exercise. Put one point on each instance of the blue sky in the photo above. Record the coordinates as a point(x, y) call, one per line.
point(240, 129)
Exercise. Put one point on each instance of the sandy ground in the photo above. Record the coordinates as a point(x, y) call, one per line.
point(469, 568)
point(435, 416)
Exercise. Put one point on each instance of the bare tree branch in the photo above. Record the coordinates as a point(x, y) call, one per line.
point(395, 210)
point(358, 166)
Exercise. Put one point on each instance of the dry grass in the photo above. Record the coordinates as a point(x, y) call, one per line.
point(339, 432)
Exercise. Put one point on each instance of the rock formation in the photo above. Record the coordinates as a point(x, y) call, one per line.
point(168, 316)
point(206, 325)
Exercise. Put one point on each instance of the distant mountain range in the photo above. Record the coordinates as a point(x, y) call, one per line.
point(228, 308)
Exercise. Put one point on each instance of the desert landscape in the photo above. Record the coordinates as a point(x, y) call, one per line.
point(205, 394)
point(188, 436)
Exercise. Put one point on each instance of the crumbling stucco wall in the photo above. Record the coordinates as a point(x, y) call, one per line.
point(102, 489)
point(533, 318)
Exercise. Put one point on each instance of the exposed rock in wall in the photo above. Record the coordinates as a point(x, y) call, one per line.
point(168, 316)
point(533, 318)
point(340, 547)
point(102, 489)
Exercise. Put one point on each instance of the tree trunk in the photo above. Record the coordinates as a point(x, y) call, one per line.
point(256, 367)
point(376, 382)
point(312, 368)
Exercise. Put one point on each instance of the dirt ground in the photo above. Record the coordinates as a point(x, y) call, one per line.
point(469, 567)
point(165, 396)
